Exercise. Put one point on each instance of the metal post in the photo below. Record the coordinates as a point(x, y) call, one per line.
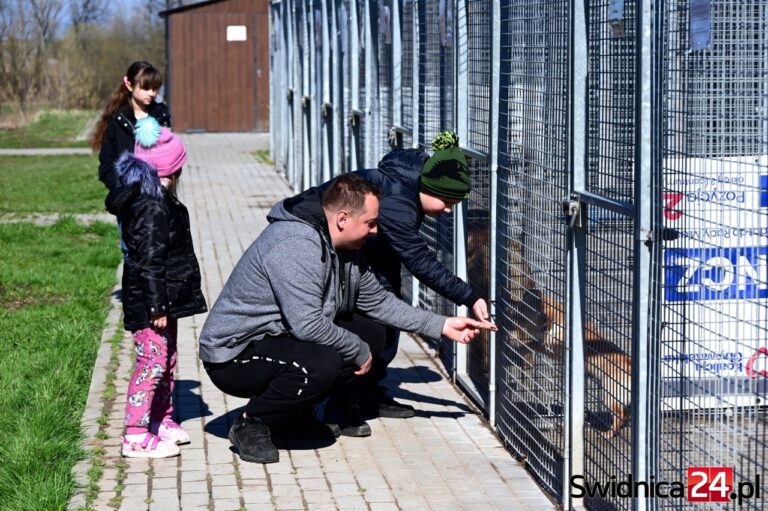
point(462, 129)
point(316, 43)
point(645, 143)
point(305, 99)
point(337, 97)
point(325, 105)
point(397, 62)
point(354, 52)
point(372, 114)
point(293, 94)
point(461, 351)
point(574, 367)
point(275, 75)
point(494, 119)
point(416, 83)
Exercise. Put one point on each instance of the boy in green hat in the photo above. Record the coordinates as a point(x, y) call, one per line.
point(413, 185)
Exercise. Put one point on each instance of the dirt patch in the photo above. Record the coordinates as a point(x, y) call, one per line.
point(21, 298)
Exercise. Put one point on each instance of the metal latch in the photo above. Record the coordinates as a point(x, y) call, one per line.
point(658, 234)
point(575, 213)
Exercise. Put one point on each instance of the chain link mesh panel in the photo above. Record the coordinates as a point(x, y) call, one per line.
point(609, 272)
point(406, 93)
point(406, 72)
point(436, 95)
point(709, 313)
point(478, 204)
point(384, 32)
point(714, 292)
point(436, 69)
point(530, 250)
point(298, 72)
point(360, 121)
point(345, 35)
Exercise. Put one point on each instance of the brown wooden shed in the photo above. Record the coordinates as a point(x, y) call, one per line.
point(218, 65)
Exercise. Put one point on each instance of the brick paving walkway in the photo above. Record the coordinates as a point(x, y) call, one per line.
point(444, 458)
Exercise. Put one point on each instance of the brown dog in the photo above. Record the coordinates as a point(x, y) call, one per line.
point(538, 323)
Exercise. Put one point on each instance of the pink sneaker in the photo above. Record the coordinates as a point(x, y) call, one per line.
point(169, 431)
point(147, 445)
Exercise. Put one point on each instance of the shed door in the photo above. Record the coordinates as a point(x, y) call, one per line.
point(220, 71)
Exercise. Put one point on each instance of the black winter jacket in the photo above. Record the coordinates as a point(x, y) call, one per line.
point(119, 138)
point(161, 273)
point(398, 240)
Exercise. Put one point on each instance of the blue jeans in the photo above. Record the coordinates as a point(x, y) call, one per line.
point(123, 246)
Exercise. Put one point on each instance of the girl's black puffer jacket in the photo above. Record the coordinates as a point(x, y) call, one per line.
point(161, 274)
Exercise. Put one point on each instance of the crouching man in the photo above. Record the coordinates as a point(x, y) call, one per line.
point(271, 336)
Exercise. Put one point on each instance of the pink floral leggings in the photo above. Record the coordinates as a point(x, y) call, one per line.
point(151, 385)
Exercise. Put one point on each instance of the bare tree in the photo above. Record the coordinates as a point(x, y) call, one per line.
point(42, 61)
point(27, 28)
point(46, 15)
point(87, 12)
point(16, 51)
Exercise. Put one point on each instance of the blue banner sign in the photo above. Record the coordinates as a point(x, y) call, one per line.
point(732, 273)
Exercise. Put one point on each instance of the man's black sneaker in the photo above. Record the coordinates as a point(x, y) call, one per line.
point(305, 425)
point(379, 404)
point(347, 420)
point(251, 438)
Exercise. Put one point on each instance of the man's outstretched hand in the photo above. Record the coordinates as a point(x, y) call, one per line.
point(463, 330)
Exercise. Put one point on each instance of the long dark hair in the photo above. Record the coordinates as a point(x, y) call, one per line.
point(140, 73)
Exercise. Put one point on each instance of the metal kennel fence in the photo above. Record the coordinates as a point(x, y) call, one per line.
point(617, 223)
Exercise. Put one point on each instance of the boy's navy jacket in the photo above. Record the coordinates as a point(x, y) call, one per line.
point(119, 138)
point(292, 280)
point(161, 274)
point(398, 240)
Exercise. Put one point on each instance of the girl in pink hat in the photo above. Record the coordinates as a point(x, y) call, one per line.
point(161, 283)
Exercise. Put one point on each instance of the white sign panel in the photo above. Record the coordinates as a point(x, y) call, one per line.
point(716, 275)
point(237, 33)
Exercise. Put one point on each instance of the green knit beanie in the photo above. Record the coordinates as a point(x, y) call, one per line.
point(446, 173)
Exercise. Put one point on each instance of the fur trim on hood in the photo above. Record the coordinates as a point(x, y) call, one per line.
point(132, 170)
point(134, 177)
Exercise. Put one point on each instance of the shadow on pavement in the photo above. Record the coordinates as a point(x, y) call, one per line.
point(189, 405)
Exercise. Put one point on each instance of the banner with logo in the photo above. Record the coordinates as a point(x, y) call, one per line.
point(716, 280)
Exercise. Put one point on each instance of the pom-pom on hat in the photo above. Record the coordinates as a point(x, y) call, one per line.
point(446, 173)
point(159, 147)
point(147, 131)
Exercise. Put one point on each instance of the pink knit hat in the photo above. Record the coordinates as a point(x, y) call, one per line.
point(167, 154)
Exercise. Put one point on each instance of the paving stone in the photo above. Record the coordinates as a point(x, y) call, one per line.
point(288, 503)
point(194, 499)
point(160, 483)
point(227, 505)
point(252, 496)
point(164, 500)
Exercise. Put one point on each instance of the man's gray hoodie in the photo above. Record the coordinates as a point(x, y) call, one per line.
point(292, 281)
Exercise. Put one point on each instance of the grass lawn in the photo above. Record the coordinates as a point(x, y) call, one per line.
point(54, 286)
point(54, 128)
point(51, 184)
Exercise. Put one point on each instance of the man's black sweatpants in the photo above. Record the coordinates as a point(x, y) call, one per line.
point(281, 375)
